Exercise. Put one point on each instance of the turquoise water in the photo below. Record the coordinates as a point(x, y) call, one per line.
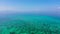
point(32, 24)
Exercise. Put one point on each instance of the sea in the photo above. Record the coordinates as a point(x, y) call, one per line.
point(29, 23)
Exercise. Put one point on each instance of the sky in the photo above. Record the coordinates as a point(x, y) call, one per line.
point(29, 5)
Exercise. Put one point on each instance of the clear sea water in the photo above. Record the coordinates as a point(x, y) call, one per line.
point(29, 24)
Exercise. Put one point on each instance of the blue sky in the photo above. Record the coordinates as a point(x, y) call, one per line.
point(29, 5)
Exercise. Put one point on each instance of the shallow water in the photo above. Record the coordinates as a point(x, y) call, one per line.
point(18, 24)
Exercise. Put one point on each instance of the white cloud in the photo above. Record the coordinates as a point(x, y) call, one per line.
point(5, 8)
point(21, 8)
point(58, 7)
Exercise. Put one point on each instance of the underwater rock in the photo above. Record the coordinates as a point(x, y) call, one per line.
point(12, 33)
